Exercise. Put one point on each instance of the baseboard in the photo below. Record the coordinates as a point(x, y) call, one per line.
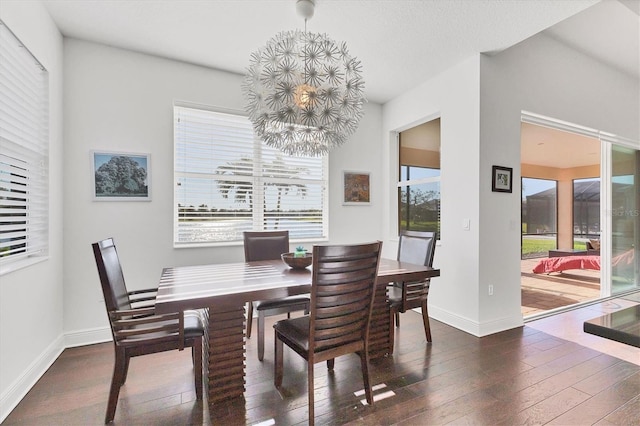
point(473, 327)
point(14, 394)
point(19, 388)
point(87, 337)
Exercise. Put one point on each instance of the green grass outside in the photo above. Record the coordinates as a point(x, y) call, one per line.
point(533, 246)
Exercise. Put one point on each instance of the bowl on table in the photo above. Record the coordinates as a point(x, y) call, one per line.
point(294, 262)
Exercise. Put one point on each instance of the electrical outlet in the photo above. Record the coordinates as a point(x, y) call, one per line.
point(490, 290)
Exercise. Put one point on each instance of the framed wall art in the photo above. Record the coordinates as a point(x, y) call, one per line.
point(501, 179)
point(119, 176)
point(356, 188)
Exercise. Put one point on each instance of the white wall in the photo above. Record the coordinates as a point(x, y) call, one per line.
point(31, 330)
point(542, 76)
point(119, 100)
point(480, 103)
point(454, 96)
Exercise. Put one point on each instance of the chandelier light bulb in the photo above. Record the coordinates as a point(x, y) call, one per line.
point(305, 96)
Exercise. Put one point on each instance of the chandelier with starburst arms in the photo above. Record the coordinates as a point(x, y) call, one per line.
point(304, 92)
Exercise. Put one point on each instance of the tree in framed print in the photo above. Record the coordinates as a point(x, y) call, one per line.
point(120, 176)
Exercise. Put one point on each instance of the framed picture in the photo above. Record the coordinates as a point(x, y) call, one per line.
point(501, 180)
point(356, 188)
point(119, 176)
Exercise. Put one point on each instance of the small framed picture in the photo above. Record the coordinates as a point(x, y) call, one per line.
point(119, 176)
point(356, 188)
point(501, 180)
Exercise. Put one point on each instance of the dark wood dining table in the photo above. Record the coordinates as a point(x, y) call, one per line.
point(222, 291)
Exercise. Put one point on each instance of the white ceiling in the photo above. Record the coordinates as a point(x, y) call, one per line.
point(400, 43)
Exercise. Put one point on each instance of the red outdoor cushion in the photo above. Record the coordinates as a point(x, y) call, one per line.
point(559, 264)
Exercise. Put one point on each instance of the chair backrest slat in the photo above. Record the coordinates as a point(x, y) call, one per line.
point(265, 245)
point(342, 293)
point(114, 290)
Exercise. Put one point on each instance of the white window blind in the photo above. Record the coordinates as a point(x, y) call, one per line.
point(228, 182)
point(24, 152)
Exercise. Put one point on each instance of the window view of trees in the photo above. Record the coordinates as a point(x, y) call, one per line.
point(419, 200)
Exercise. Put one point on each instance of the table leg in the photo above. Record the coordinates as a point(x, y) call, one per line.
point(225, 351)
point(379, 342)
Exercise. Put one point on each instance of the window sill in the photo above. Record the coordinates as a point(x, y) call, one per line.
point(16, 265)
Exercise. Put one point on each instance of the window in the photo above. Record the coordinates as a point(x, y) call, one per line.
point(419, 195)
point(227, 181)
point(539, 217)
point(586, 211)
point(419, 179)
point(24, 158)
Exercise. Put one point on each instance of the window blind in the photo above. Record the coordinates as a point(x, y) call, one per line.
point(24, 153)
point(227, 181)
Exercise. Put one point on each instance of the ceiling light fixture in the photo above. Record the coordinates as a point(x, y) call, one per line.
point(304, 92)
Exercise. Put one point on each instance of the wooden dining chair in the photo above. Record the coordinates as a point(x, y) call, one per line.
point(135, 328)
point(415, 247)
point(269, 245)
point(342, 293)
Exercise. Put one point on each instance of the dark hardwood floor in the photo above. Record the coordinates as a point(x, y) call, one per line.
point(521, 376)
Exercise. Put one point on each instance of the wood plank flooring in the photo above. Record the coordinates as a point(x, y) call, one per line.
point(522, 376)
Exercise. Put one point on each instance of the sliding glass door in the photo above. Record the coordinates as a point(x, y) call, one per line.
point(625, 219)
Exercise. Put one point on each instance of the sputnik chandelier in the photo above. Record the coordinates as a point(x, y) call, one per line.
point(304, 92)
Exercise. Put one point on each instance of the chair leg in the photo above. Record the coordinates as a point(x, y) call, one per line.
point(311, 394)
point(125, 371)
point(330, 363)
point(249, 318)
point(397, 319)
point(119, 366)
point(278, 362)
point(196, 351)
point(364, 363)
point(261, 316)
point(425, 321)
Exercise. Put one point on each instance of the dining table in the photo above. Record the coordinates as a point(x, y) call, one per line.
point(221, 291)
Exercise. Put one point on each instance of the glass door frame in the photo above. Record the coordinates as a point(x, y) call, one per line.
point(607, 141)
point(607, 209)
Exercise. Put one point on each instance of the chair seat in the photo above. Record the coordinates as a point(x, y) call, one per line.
point(296, 330)
point(193, 325)
point(279, 303)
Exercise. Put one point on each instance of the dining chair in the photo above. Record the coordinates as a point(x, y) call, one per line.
point(416, 247)
point(135, 328)
point(342, 292)
point(269, 245)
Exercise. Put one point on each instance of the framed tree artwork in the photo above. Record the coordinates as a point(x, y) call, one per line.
point(120, 176)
